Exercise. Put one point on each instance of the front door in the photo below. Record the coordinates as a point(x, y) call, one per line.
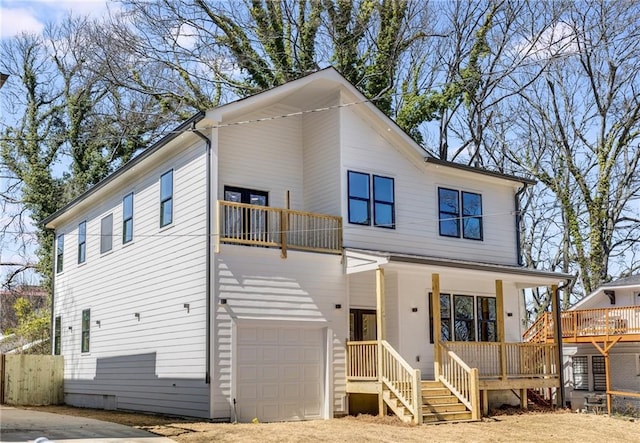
point(362, 324)
point(248, 224)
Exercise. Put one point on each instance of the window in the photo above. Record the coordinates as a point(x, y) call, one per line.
point(60, 253)
point(449, 203)
point(360, 192)
point(127, 218)
point(580, 373)
point(241, 223)
point(82, 242)
point(465, 318)
point(106, 234)
point(362, 324)
point(166, 198)
point(57, 333)
point(86, 329)
point(599, 373)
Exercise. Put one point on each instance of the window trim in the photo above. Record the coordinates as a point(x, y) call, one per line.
point(86, 332)
point(460, 216)
point(82, 242)
point(584, 358)
point(126, 219)
point(452, 318)
point(60, 254)
point(57, 336)
point(371, 200)
point(104, 236)
point(165, 200)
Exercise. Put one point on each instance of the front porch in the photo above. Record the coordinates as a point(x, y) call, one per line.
point(464, 372)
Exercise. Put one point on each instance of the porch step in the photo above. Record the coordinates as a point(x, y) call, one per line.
point(446, 416)
point(396, 406)
point(443, 407)
point(439, 404)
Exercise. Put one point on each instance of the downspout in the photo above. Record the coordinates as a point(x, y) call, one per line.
point(207, 377)
point(557, 331)
point(518, 221)
point(53, 285)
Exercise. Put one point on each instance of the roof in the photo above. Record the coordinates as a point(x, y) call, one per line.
point(465, 264)
point(631, 280)
point(130, 164)
point(316, 82)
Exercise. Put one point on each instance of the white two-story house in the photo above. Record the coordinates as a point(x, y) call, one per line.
point(295, 255)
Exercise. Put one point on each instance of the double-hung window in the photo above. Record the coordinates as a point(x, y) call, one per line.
point(106, 233)
point(60, 254)
point(166, 198)
point(367, 196)
point(82, 242)
point(580, 373)
point(127, 218)
point(86, 329)
point(460, 212)
point(466, 318)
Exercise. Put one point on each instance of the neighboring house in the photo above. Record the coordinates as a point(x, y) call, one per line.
point(601, 334)
point(35, 295)
point(256, 262)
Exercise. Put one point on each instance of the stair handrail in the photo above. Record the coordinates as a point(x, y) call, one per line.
point(401, 379)
point(538, 331)
point(460, 379)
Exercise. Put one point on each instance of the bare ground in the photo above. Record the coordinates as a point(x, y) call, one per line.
point(503, 426)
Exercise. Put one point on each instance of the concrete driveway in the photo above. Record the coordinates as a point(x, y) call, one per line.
point(21, 425)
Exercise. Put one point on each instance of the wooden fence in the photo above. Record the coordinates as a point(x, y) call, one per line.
point(31, 379)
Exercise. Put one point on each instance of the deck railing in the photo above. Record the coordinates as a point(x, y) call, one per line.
point(623, 320)
point(508, 360)
point(461, 380)
point(255, 225)
point(390, 369)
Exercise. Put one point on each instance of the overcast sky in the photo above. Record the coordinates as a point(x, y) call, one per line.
point(31, 15)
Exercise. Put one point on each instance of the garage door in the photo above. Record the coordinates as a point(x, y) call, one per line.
point(279, 373)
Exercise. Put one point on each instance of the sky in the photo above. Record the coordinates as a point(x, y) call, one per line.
point(31, 15)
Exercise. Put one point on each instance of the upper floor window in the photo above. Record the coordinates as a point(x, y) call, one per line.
point(57, 335)
point(60, 253)
point(106, 234)
point(127, 218)
point(166, 198)
point(361, 191)
point(82, 242)
point(460, 212)
point(86, 330)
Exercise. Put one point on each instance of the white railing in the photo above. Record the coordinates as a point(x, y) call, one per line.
point(461, 380)
point(362, 360)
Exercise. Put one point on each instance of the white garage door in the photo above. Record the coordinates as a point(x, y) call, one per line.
point(279, 373)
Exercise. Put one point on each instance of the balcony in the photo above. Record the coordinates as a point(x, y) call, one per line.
point(264, 226)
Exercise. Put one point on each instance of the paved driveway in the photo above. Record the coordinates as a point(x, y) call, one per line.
point(21, 425)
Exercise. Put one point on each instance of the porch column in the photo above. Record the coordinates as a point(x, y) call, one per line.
point(437, 328)
point(380, 313)
point(557, 340)
point(500, 327)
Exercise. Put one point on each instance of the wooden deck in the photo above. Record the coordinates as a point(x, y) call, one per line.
point(587, 325)
point(253, 225)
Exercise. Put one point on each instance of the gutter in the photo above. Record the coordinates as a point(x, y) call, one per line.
point(207, 377)
point(52, 325)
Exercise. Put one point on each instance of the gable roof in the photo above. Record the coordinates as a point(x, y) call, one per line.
point(317, 82)
point(621, 283)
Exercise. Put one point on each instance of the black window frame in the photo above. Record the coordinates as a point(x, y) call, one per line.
point(448, 321)
point(85, 338)
point(580, 369)
point(127, 219)
point(372, 200)
point(166, 200)
point(60, 254)
point(106, 233)
point(356, 322)
point(598, 371)
point(82, 242)
point(461, 216)
point(57, 336)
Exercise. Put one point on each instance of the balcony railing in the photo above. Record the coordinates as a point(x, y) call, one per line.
point(587, 323)
point(265, 226)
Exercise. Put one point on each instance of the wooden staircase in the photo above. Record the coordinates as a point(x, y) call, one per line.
point(438, 405)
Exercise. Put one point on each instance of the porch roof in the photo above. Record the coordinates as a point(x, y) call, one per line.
point(361, 260)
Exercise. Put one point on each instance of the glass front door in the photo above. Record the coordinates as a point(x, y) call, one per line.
point(251, 224)
point(362, 324)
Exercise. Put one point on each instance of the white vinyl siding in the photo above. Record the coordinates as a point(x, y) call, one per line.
point(365, 148)
point(301, 291)
point(155, 363)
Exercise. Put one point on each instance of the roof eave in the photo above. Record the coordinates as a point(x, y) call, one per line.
point(500, 175)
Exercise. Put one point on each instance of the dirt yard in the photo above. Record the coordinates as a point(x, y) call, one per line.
point(503, 426)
